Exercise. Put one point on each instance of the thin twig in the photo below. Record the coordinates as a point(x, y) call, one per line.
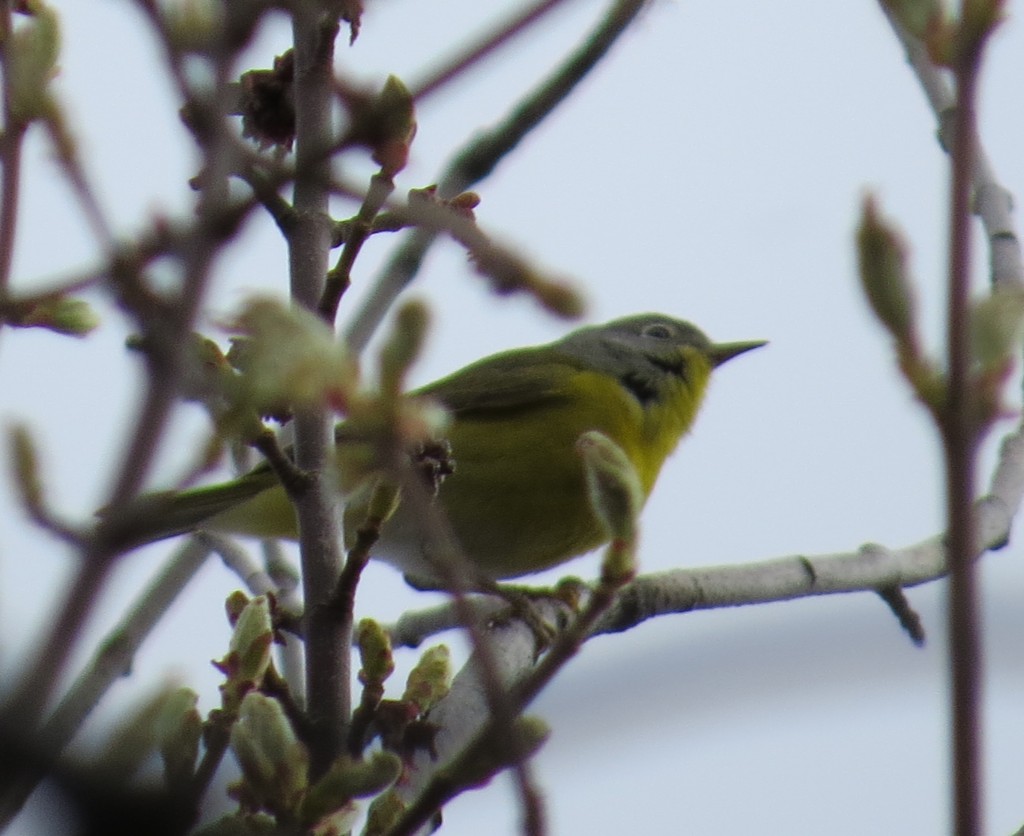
point(960, 436)
point(10, 161)
point(456, 573)
point(285, 577)
point(125, 264)
point(115, 653)
point(394, 221)
point(454, 778)
point(897, 601)
point(108, 664)
point(240, 562)
point(500, 34)
point(294, 480)
point(480, 156)
point(992, 202)
point(340, 277)
point(171, 325)
point(11, 143)
point(84, 192)
point(868, 569)
point(216, 738)
point(265, 191)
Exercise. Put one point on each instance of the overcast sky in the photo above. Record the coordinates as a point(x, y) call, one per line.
point(711, 169)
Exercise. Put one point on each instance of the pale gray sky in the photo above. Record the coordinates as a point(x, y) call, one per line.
point(712, 169)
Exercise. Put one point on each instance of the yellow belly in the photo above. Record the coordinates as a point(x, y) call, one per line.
point(517, 501)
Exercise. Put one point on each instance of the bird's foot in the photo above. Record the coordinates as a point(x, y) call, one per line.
point(545, 610)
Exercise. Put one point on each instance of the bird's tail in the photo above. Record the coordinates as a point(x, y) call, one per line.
point(157, 516)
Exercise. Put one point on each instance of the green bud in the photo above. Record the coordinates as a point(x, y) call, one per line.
point(251, 642)
point(242, 824)
point(613, 485)
point(234, 604)
point(374, 652)
point(883, 273)
point(290, 358)
point(137, 736)
point(348, 779)
point(275, 764)
point(916, 16)
point(384, 501)
point(26, 466)
point(338, 823)
point(403, 345)
point(32, 53)
point(979, 18)
point(525, 737)
point(941, 42)
point(63, 315)
point(618, 564)
point(430, 680)
point(179, 729)
point(385, 811)
point(533, 733)
point(396, 115)
point(997, 326)
point(561, 299)
point(209, 376)
point(193, 25)
point(929, 382)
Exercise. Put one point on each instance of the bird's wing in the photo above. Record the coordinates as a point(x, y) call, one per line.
point(505, 382)
point(168, 514)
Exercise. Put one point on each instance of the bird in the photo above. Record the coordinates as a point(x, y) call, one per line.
point(516, 499)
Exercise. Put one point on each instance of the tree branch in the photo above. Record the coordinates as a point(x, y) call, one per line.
point(464, 712)
point(327, 631)
point(109, 663)
point(992, 201)
point(480, 156)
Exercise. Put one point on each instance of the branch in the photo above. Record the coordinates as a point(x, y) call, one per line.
point(504, 31)
point(100, 551)
point(328, 632)
point(457, 575)
point(961, 436)
point(464, 712)
point(10, 163)
point(992, 201)
point(166, 323)
point(108, 664)
point(960, 43)
point(871, 568)
point(482, 154)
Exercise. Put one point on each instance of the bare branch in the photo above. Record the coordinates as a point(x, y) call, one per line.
point(992, 201)
point(327, 631)
point(870, 568)
point(109, 663)
point(480, 156)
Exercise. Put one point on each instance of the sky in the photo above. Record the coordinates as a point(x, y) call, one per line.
point(711, 168)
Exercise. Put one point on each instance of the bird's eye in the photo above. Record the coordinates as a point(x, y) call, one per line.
point(658, 330)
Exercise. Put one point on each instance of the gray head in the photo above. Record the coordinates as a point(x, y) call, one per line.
point(642, 350)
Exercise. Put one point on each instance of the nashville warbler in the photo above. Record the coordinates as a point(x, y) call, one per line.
point(516, 500)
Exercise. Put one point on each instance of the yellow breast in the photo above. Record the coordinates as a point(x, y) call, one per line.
point(517, 501)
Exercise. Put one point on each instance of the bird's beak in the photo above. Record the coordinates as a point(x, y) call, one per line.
point(720, 352)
